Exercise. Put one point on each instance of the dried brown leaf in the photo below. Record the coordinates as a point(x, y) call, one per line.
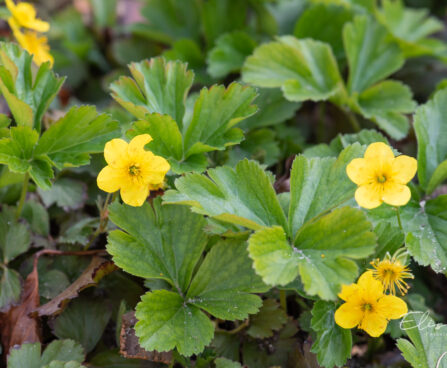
point(97, 269)
point(17, 326)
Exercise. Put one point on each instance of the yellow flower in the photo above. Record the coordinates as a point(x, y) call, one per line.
point(35, 45)
point(391, 272)
point(381, 177)
point(367, 306)
point(132, 170)
point(24, 15)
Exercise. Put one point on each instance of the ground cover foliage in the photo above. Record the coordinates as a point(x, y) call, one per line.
point(258, 238)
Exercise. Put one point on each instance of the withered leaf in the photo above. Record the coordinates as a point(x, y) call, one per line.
point(97, 269)
point(17, 326)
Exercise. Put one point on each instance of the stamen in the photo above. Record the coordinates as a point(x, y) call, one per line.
point(381, 178)
point(134, 170)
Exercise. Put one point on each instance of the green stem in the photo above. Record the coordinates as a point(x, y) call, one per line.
point(283, 300)
point(22, 196)
point(353, 120)
point(398, 219)
point(237, 329)
point(103, 219)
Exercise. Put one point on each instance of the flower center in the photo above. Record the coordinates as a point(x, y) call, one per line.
point(381, 178)
point(390, 273)
point(134, 170)
point(367, 307)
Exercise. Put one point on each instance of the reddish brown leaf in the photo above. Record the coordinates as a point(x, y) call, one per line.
point(97, 269)
point(17, 326)
point(129, 346)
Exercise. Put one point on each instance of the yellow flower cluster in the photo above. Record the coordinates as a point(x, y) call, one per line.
point(381, 178)
point(23, 15)
point(132, 170)
point(367, 306)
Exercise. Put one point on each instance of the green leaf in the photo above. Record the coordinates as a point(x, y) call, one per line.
point(411, 27)
point(372, 55)
point(169, 20)
point(428, 341)
point(28, 93)
point(223, 284)
point(157, 87)
point(158, 99)
point(52, 283)
point(425, 227)
point(318, 185)
point(243, 196)
point(342, 141)
point(430, 127)
point(333, 344)
point(17, 150)
point(14, 238)
point(322, 253)
point(27, 355)
point(166, 322)
point(273, 109)
point(229, 53)
point(10, 287)
point(154, 244)
point(113, 359)
point(67, 193)
point(271, 317)
point(58, 364)
point(167, 139)
point(273, 257)
point(57, 352)
point(216, 112)
point(226, 363)
point(63, 351)
point(105, 12)
point(408, 24)
point(386, 103)
point(84, 320)
point(389, 239)
point(324, 22)
point(439, 175)
point(304, 69)
point(37, 217)
point(222, 16)
point(71, 140)
point(260, 145)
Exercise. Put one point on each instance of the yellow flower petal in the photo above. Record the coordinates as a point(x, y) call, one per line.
point(134, 195)
point(404, 169)
point(155, 168)
point(396, 194)
point(10, 5)
point(392, 307)
point(369, 196)
point(374, 324)
point(370, 285)
point(24, 15)
point(359, 171)
point(109, 179)
point(31, 42)
point(136, 145)
point(347, 291)
point(115, 152)
point(380, 151)
point(348, 315)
